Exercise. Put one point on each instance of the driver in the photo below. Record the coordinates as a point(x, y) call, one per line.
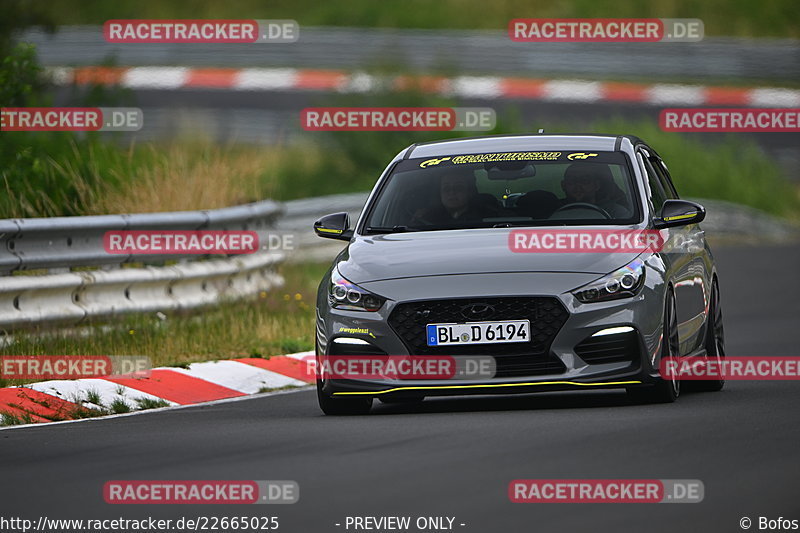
point(458, 195)
point(593, 183)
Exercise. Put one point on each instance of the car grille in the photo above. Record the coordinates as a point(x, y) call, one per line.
point(532, 358)
point(614, 348)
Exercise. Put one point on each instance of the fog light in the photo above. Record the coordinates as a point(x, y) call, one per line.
point(613, 331)
point(349, 340)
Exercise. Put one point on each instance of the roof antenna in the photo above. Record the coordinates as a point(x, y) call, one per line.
point(541, 130)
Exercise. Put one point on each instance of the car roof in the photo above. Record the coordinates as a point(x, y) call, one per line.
point(514, 143)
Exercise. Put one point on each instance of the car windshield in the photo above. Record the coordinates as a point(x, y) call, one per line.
point(504, 190)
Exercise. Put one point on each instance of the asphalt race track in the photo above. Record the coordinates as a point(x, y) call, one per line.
point(456, 457)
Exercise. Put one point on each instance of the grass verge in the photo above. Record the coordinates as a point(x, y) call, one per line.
point(276, 323)
point(199, 175)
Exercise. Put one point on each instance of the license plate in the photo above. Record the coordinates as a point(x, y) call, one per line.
point(479, 333)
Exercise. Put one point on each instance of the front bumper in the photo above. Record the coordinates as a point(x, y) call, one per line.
point(641, 314)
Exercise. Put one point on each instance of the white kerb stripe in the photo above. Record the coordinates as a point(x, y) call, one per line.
point(774, 97)
point(476, 86)
point(155, 77)
point(249, 79)
point(61, 75)
point(238, 376)
point(572, 90)
point(76, 391)
point(676, 94)
point(359, 82)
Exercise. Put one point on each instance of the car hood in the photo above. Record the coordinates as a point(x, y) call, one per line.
point(479, 251)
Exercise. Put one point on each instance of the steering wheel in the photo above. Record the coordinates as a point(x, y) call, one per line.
point(583, 205)
point(415, 217)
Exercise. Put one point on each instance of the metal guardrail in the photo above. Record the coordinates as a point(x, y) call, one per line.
point(480, 52)
point(70, 299)
point(67, 242)
point(64, 297)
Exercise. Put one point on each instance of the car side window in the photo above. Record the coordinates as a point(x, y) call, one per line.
point(657, 194)
point(663, 177)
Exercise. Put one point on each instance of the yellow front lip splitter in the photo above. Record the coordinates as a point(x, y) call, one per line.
point(490, 386)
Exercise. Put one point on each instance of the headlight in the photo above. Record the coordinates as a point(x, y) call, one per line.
point(346, 295)
point(622, 283)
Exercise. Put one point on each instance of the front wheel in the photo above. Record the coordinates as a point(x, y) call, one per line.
point(665, 390)
point(342, 406)
point(715, 341)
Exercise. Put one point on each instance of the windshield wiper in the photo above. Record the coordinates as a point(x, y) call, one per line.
point(529, 224)
point(394, 229)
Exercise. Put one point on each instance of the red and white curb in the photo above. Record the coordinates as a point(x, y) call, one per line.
point(58, 400)
point(490, 87)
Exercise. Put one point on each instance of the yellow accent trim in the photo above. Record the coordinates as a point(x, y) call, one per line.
point(679, 217)
point(438, 387)
point(431, 162)
point(327, 230)
point(579, 155)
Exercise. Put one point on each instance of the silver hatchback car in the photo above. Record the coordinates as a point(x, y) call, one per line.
point(566, 261)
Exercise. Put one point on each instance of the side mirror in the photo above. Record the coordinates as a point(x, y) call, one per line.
point(335, 226)
point(679, 213)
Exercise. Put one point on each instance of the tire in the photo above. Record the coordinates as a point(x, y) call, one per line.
point(665, 390)
point(715, 341)
point(342, 406)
